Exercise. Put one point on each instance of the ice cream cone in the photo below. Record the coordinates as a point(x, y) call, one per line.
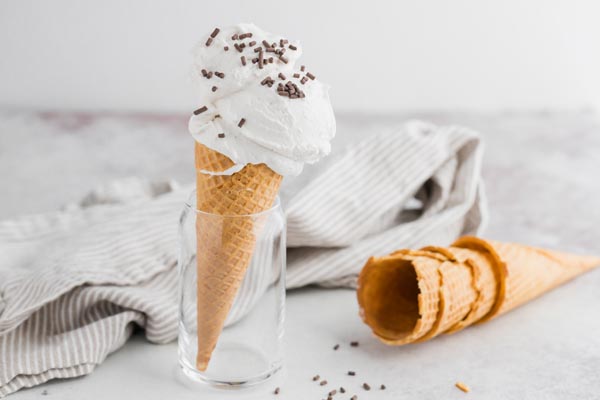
point(225, 245)
point(411, 296)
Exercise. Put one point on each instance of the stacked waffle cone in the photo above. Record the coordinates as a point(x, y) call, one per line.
point(225, 244)
point(414, 295)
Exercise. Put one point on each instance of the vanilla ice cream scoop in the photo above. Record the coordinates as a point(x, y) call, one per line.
point(256, 104)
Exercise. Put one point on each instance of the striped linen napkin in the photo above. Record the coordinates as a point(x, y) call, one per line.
point(73, 284)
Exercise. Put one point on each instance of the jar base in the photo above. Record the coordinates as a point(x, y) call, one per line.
point(219, 372)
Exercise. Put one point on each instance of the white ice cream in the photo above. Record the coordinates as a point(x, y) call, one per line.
point(280, 131)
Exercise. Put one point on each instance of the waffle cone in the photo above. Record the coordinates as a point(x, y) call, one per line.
point(411, 296)
point(225, 245)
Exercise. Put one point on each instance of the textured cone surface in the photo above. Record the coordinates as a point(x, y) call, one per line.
point(485, 282)
point(526, 272)
point(225, 245)
point(457, 296)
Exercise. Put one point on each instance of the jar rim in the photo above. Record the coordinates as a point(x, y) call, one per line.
point(190, 205)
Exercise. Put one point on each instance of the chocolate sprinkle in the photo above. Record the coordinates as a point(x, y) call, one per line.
point(243, 58)
point(282, 76)
point(355, 397)
point(353, 344)
point(333, 392)
point(303, 80)
point(220, 74)
point(215, 33)
point(292, 47)
point(366, 386)
point(235, 36)
point(252, 43)
point(316, 378)
point(276, 391)
point(242, 122)
point(226, 48)
point(209, 75)
point(302, 68)
point(296, 75)
point(208, 42)
point(323, 383)
point(214, 88)
point(312, 78)
point(200, 110)
point(342, 390)
point(238, 47)
point(351, 373)
point(221, 135)
point(382, 387)
point(337, 346)
point(282, 58)
point(204, 73)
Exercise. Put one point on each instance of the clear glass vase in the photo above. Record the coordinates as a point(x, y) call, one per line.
point(231, 295)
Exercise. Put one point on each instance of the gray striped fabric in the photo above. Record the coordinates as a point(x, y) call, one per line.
point(74, 284)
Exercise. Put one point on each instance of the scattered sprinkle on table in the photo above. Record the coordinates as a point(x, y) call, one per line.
point(462, 387)
point(366, 386)
point(333, 392)
point(342, 390)
point(351, 373)
point(355, 397)
point(215, 33)
point(221, 135)
point(382, 387)
point(337, 346)
point(323, 382)
point(354, 344)
point(316, 378)
point(276, 391)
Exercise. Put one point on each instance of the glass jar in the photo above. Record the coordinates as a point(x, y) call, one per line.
point(232, 296)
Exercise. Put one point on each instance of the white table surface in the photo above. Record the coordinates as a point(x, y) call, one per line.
point(542, 173)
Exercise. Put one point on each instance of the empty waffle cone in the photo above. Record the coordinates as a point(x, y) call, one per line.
point(474, 279)
point(399, 295)
point(525, 272)
point(225, 245)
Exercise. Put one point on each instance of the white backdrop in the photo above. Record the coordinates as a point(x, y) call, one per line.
point(377, 55)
